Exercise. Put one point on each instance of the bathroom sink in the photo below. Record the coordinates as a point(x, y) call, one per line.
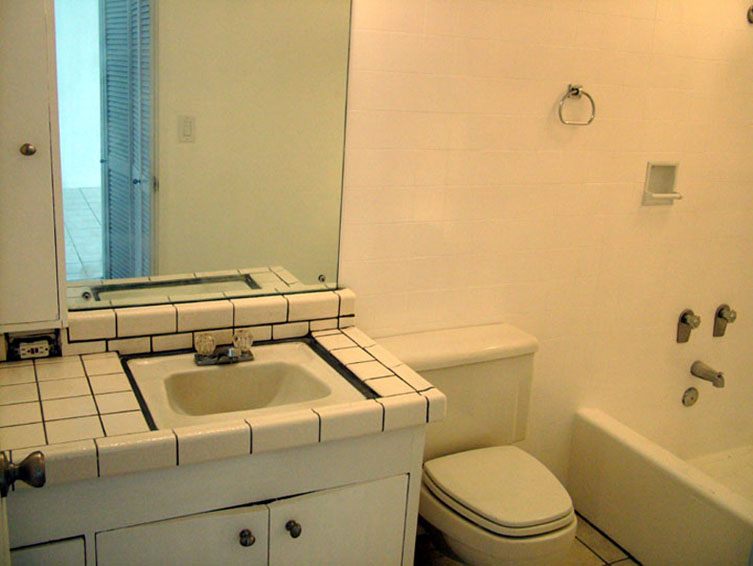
point(283, 377)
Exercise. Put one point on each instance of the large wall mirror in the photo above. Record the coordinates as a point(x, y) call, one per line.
point(202, 146)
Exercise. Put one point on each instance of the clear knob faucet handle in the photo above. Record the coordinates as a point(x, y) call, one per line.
point(243, 340)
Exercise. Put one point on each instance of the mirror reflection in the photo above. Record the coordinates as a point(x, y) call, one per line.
point(201, 137)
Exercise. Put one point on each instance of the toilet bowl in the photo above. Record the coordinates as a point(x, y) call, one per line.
point(491, 502)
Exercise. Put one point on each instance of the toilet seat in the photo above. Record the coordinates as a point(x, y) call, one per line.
point(501, 489)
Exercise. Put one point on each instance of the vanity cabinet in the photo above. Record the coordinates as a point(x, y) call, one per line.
point(355, 501)
point(358, 524)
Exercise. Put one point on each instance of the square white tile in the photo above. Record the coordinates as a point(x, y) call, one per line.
point(127, 346)
point(335, 341)
point(79, 348)
point(437, 404)
point(386, 386)
point(290, 330)
point(110, 383)
point(352, 355)
point(117, 402)
point(350, 420)
point(213, 441)
point(384, 356)
point(324, 324)
point(347, 302)
point(140, 321)
point(21, 436)
point(412, 378)
point(172, 342)
point(22, 393)
point(20, 413)
point(308, 306)
point(124, 423)
point(11, 374)
point(205, 315)
point(74, 387)
point(402, 411)
point(101, 364)
point(67, 430)
point(277, 432)
point(260, 310)
point(59, 368)
point(369, 370)
point(91, 324)
point(68, 462)
point(55, 409)
point(359, 337)
point(136, 452)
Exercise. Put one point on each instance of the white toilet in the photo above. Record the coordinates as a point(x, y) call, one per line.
point(493, 503)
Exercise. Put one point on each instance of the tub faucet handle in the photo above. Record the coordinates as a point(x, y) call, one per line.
point(724, 315)
point(688, 321)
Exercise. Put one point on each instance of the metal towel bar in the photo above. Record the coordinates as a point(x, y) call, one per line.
point(575, 91)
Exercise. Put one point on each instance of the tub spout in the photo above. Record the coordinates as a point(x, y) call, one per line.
point(705, 372)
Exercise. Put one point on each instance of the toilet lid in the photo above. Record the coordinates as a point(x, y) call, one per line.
point(502, 489)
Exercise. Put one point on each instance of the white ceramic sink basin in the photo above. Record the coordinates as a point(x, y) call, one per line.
point(282, 377)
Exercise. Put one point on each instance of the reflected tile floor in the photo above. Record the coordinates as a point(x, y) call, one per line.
point(591, 548)
point(82, 216)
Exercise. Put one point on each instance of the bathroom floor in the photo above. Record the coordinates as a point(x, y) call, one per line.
point(82, 218)
point(591, 548)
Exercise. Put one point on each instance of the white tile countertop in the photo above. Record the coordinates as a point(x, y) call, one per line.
point(82, 413)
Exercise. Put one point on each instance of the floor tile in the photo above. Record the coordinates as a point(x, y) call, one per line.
point(580, 555)
point(597, 542)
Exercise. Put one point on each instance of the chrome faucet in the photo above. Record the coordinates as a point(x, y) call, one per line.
point(208, 354)
point(705, 372)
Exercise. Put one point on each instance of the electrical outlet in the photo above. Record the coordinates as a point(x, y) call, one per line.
point(37, 349)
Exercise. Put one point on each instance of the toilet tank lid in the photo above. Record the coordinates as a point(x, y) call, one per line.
point(457, 346)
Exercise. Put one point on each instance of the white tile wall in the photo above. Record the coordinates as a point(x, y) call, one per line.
point(466, 201)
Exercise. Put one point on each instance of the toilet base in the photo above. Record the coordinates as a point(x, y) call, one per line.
point(478, 547)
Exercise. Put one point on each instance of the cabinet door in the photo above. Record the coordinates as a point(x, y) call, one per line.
point(358, 525)
point(208, 538)
point(28, 275)
point(62, 553)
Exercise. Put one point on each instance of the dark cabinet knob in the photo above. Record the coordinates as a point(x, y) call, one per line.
point(246, 538)
point(30, 471)
point(294, 528)
point(28, 149)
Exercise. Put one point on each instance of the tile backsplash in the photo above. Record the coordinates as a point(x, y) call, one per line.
point(136, 330)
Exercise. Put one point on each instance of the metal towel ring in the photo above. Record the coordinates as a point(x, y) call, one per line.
point(575, 91)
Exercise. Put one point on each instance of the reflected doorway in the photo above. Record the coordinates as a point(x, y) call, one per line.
point(104, 97)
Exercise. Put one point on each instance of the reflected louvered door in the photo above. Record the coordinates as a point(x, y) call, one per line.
point(126, 63)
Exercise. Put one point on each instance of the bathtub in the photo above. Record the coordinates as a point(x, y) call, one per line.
point(660, 508)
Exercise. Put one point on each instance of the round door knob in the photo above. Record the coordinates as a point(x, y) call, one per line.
point(294, 528)
point(246, 538)
point(28, 149)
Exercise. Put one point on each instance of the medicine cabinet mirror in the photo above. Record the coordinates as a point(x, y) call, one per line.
point(202, 146)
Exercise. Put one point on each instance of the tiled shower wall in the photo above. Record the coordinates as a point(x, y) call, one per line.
point(466, 201)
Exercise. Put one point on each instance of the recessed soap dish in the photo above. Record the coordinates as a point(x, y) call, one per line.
point(659, 188)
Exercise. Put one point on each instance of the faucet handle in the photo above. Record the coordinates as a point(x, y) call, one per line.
point(724, 315)
point(205, 344)
point(243, 340)
point(727, 313)
point(688, 321)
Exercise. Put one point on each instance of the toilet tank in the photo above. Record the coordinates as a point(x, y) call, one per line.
point(485, 372)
